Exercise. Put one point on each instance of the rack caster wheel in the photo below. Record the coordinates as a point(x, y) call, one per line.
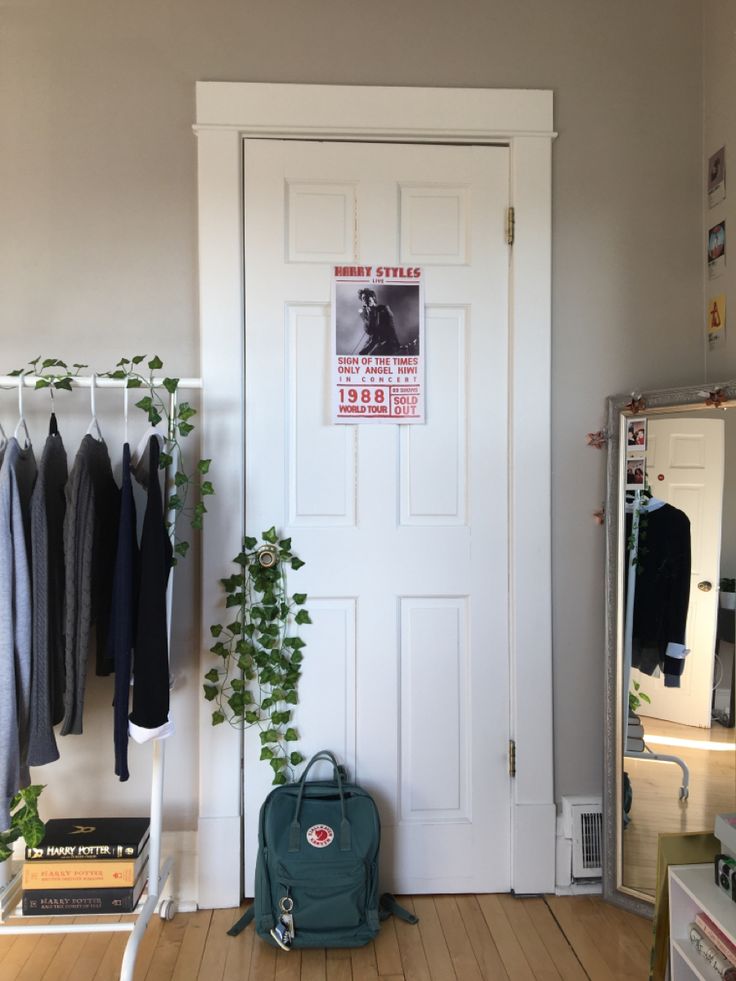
point(167, 909)
point(684, 793)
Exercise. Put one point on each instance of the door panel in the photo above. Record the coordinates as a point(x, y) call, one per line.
point(404, 529)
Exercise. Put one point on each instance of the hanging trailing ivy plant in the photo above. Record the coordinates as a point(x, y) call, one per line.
point(55, 374)
point(255, 683)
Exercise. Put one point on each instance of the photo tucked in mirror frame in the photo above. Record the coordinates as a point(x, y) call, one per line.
point(670, 741)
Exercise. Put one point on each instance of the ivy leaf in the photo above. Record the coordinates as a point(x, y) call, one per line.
point(269, 536)
point(278, 763)
point(213, 675)
point(117, 375)
point(210, 692)
point(302, 617)
point(295, 759)
point(249, 542)
point(181, 548)
point(137, 359)
point(165, 460)
point(204, 466)
point(291, 698)
point(185, 428)
point(171, 384)
point(155, 363)
point(279, 779)
point(180, 478)
point(134, 383)
point(296, 563)
point(285, 544)
point(207, 488)
point(216, 629)
point(266, 753)
point(64, 383)
point(252, 718)
point(291, 735)
point(145, 403)
point(299, 598)
point(269, 736)
point(174, 503)
point(42, 383)
point(217, 718)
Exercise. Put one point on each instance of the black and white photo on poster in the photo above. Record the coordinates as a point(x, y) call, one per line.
point(378, 336)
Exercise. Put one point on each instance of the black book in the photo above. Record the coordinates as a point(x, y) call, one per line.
point(97, 838)
point(70, 902)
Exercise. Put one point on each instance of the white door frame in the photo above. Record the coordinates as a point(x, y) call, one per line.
point(227, 113)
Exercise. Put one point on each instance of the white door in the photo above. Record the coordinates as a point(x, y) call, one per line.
point(403, 528)
point(685, 459)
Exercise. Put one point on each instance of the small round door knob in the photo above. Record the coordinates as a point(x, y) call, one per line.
point(705, 586)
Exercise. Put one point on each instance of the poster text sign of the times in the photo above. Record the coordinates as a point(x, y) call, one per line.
point(378, 336)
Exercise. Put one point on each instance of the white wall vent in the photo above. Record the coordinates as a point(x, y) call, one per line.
point(583, 824)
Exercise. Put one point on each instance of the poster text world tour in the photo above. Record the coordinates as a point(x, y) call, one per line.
point(380, 272)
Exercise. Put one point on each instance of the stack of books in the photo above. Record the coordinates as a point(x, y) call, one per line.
point(714, 947)
point(87, 865)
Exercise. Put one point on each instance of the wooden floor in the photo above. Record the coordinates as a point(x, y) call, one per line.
point(459, 938)
point(656, 805)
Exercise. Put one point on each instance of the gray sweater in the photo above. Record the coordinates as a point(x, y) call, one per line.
point(17, 477)
point(90, 526)
point(48, 506)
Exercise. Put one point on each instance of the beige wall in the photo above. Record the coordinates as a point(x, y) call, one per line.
point(98, 243)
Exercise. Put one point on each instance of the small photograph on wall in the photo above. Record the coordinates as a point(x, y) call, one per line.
point(636, 435)
point(635, 470)
point(717, 177)
point(717, 249)
point(715, 321)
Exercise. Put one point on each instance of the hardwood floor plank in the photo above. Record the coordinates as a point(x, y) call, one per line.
point(288, 965)
point(409, 938)
point(461, 951)
point(147, 947)
point(17, 953)
point(41, 957)
point(191, 951)
point(636, 926)
point(433, 940)
point(338, 964)
point(486, 953)
point(542, 966)
point(109, 969)
point(161, 967)
point(314, 966)
point(239, 951)
point(388, 958)
point(66, 954)
point(212, 965)
point(503, 936)
point(566, 911)
point(363, 961)
point(554, 940)
point(92, 952)
point(263, 961)
point(621, 951)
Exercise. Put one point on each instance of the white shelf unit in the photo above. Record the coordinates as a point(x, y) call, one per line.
point(692, 890)
point(10, 895)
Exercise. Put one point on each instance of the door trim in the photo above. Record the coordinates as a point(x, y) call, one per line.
point(227, 113)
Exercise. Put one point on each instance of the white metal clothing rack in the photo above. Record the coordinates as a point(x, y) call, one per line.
point(158, 873)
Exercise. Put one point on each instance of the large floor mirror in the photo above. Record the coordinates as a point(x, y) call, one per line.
point(670, 740)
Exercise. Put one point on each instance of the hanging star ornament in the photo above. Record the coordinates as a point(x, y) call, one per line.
point(598, 439)
point(717, 398)
point(637, 404)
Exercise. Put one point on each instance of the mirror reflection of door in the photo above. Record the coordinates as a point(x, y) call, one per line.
point(685, 460)
point(687, 455)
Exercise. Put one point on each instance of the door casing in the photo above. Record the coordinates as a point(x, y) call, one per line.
point(227, 113)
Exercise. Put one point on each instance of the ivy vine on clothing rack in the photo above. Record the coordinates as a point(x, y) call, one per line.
point(55, 374)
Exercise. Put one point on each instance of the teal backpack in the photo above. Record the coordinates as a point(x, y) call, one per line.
point(317, 865)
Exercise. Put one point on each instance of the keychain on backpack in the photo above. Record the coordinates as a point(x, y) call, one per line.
point(283, 932)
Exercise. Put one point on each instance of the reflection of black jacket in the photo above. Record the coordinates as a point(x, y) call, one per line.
point(378, 322)
point(662, 590)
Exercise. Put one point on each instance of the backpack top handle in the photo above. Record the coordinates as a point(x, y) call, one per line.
point(295, 833)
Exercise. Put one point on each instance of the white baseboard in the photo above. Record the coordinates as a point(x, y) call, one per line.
point(580, 889)
point(220, 866)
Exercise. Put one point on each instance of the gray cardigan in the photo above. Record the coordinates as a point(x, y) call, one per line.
point(17, 477)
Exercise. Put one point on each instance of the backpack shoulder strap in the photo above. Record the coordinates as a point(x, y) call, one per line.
point(388, 906)
point(243, 922)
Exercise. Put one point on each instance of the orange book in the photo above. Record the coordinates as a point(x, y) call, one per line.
point(82, 874)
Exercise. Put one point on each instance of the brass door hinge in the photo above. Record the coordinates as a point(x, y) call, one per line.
point(510, 225)
point(512, 757)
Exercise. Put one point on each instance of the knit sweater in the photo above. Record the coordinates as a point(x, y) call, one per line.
point(48, 507)
point(90, 532)
point(17, 476)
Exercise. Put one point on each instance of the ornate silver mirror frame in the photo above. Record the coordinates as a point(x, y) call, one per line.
point(619, 409)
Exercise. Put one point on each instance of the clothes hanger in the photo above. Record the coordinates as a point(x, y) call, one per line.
point(53, 424)
point(94, 426)
point(22, 419)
